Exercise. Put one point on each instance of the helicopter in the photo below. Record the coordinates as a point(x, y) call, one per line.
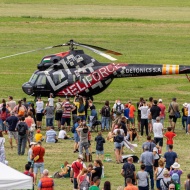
point(74, 73)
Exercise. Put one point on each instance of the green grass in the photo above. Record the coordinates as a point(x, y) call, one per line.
point(144, 31)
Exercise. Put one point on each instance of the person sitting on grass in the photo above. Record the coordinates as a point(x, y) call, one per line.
point(51, 135)
point(133, 133)
point(38, 136)
point(62, 133)
point(65, 171)
point(100, 146)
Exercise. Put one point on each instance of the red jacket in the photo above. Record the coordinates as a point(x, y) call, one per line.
point(46, 183)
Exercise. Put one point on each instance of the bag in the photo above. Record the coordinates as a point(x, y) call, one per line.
point(129, 173)
point(4, 115)
point(36, 158)
point(21, 111)
point(175, 178)
point(177, 115)
point(73, 129)
point(32, 128)
point(106, 111)
point(56, 175)
point(84, 184)
point(81, 108)
point(185, 111)
point(118, 109)
point(21, 129)
point(85, 158)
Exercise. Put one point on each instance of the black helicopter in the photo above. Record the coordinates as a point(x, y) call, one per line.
point(74, 73)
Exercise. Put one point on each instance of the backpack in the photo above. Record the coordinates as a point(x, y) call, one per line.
point(21, 111)
point(106, 111)
point(73, 129)
point(118, 109)
point(129, 173)
point(4, 115)
point(84, 185)
point(21, 129)
point(175, 178)
point(81, 108)
point(185, 111)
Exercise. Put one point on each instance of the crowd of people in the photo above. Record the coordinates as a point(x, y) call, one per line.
point(23, 122)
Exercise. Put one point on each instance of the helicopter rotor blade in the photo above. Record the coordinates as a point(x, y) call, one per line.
point(102, 49)
point(50, 47)
point(97, 51)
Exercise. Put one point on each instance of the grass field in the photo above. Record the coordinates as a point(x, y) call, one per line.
point(150, 32)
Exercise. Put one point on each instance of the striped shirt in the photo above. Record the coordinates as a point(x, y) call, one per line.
point(67, 107)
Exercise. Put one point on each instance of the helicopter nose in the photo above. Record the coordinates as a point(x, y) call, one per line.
point(27, 88)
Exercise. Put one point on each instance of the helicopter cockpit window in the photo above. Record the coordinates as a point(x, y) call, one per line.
point(33, 78)
point(57, 76)
point(41, 80)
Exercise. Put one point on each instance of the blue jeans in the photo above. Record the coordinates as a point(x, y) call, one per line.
point(49, 121)
point(105, 122)
point(184, 122)
point(149, 169)
point(22, 144)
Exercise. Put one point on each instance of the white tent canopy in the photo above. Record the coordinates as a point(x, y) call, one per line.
point(12, 179)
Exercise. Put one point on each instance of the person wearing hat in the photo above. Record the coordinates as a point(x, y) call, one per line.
point(184, 111)
point(38, 136)
point(12, 123)
point(147, 158)
point(176, 170)
point(165, 181)
point(163, 110)
point(76, 166)
point(158, 133)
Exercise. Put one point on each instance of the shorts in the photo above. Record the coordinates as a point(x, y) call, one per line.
point(38, 165)
point(158, 183)
point(58, 116)
point(117, 145)
point(158, 141)
point(139, 118)
point(173, 118)
point(83, 117)
point(99, 152)
point(65, 120)
point(156, 162)
point(39, 116)
point(13, 134)
point(49, 121)
point(85, 146)
point(76, 137)
point(31, 164)
point(131, 120)
point(188, 120)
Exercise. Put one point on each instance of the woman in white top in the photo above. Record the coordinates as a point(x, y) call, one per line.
point(2, 149)
point(158, 174)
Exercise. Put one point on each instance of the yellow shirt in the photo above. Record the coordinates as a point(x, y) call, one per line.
point(38, 137)
point(77, 104)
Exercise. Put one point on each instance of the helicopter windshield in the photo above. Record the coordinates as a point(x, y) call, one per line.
point(41, 80)
point(33, 78)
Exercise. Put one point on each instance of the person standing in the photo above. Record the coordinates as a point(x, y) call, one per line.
point(149, 144)
point(4, 114)
point(164, 181)
point(170, 157)
point(163, 109)
point(100, 146)
point(58, 113)
point(39, 112)
point(128, 171)
point(130, 186)
point(147, 158)
point(96, 183)
point(144, 117)
point(22, 129)
point(49, 112)
point(158, 133)
point(105, 113)
point(38, 153)
point(30, 122)
point(66, 116)
point(173, 108)
point(2, 149)
point(79, 102)
point(12, 123)
point(11, 103)
point(46, 182)
point(97, 170)
point(76, 135)
point(20, 110)
point(51, 100)
point(184, 116)
point(76, 166)
point(139, 104)
point(169, 135)
point(155, 112)
point(131, 113)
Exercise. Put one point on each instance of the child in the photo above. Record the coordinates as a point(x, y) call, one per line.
point(169, 135)
point(38, 136)
point(28, 173)
point(99, 146)
point(62, 133)
point(142, 177)
point(30, 161)
point(187, 183)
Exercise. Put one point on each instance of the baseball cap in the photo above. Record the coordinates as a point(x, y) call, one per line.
point(38, 131)
point(33, 143)
point(80, 157)
point(160, 100)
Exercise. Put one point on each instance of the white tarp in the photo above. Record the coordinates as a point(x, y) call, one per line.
point(11, 179)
